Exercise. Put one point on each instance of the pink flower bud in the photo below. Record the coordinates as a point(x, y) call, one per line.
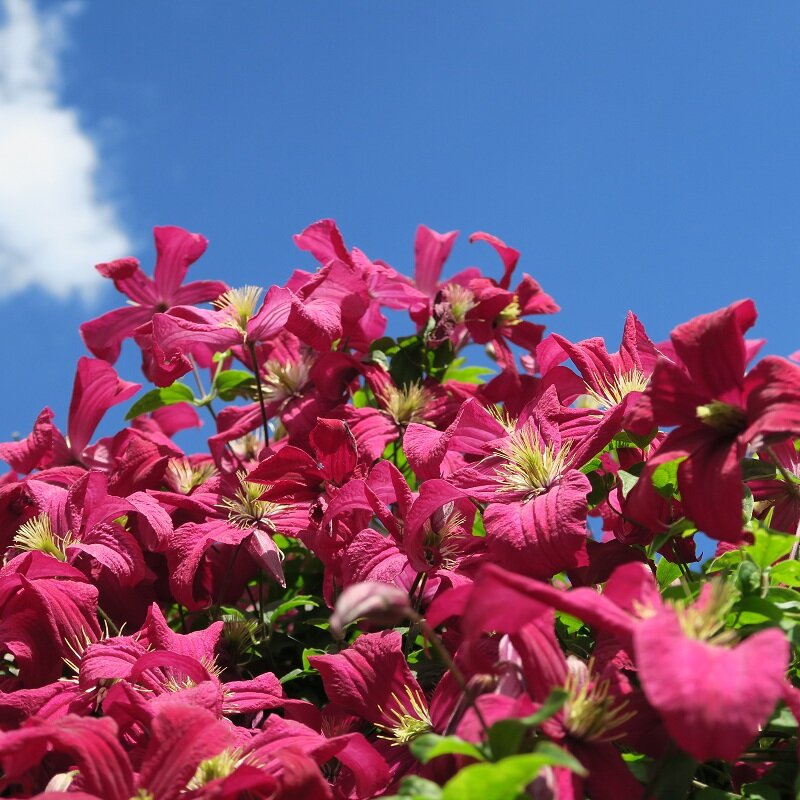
point(379, 602)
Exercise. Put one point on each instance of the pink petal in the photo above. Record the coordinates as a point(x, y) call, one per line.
point(324, 241)
point(509, 255)
point(97, 388)
point(543, 536)
point(713, 699)
point(431, 250)
point(103, 336)
point(176, 250)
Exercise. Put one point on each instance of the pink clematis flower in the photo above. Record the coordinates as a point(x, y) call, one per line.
point(372, 681)
point(176, 251)
point(97, 388)
point(609, 379)
point(718, 411)
point(692, 670)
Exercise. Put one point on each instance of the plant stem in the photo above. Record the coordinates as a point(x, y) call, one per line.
point(257, 372)
point(451, 665)
point(109, 622)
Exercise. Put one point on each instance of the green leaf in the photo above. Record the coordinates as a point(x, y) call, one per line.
point(507, 735)
point(666, 572)
point(311, 651)
point(508, 778)
point(786, 572)
point(727, 560)
point(769, 547)
point(591, 466)
point(755, 611)
point(158, 398)
point(747, 505)
point(665, 477)
point(755, 469)
point(456, 372)
point(760, 791)
point(748, 578)
point(280, 608)
point(412, 787)
point(627, 480)
point(360, 399)
point(431, 745)
point(674, 775)
point(783, 720)
point(232, 383)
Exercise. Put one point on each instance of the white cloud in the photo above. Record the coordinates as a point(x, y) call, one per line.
point(54, 223)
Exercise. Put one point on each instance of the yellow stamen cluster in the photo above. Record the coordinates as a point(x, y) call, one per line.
point(240, 305)
point(461, 300)
point(407, 404)
point(704, 620)
point(444, 539)
point(406, 723)
point(37, 534)
point(591, 713)
point(612, 391)
point(510, 315)
point(282, 381)
point(219, 766)
point(246, 510)
point(529, 466)
point(182, 476)
point(503, 417)
point(173, 684)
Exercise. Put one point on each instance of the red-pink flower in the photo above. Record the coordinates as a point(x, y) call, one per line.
point(717, 411)
point(691, 668)
point(176, 251)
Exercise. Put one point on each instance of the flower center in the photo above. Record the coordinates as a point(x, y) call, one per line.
point(281, 381)
point(611, 391)
point(704, 620)
point(503, 417)
point(444, 539)
point(591, 713)
point(510, 315)
point(406, 723)
point(461, 300)
point(723, 417)
point(246, 510)
point(216, 767)
point(240, 305)
point(407, 404)
point(247, 447)
point(530, 467)
point(37, 534)
point(182, 476)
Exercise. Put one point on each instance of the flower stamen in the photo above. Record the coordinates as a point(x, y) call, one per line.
point(409, 721)
point(530, 467)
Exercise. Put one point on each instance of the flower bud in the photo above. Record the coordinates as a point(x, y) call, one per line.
point(381, 603)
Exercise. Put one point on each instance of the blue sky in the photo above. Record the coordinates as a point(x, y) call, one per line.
point(640, 156)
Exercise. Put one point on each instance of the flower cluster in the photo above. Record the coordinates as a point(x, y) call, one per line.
point(392, 573)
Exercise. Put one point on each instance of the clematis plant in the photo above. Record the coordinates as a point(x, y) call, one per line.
point(382, 571)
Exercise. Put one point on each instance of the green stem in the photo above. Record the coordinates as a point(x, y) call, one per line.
point(257, 372)
point(109, 622)
point(438, 646)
